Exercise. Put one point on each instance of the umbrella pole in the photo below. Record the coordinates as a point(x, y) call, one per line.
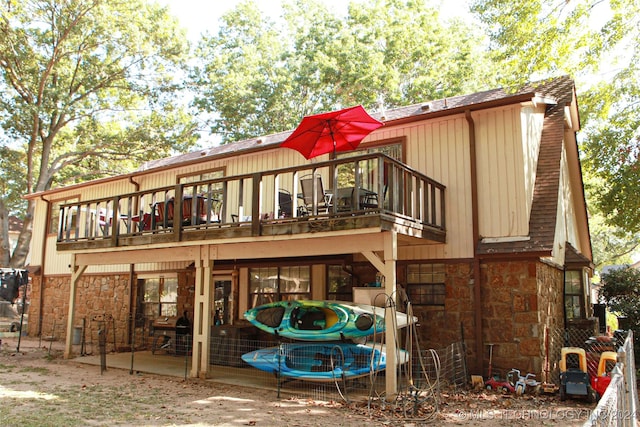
point(334, 185)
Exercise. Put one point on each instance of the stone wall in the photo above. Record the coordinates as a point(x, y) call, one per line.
point(520, 300)
point(441, 326)
point(34, 306)
point(98, 297)
point(551, 291)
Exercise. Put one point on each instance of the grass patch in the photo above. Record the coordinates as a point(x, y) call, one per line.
point(35, 370)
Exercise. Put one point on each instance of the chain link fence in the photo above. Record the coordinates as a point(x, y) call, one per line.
point(593, 344)
point(619, 404)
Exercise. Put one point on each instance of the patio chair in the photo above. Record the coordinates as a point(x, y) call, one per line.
point(318, 202)
point(285, 202)
point(200, 217)
point(163, 213)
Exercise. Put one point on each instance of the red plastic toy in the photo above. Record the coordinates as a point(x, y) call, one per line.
point(600, 382)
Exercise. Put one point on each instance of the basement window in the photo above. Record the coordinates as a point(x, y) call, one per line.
point(426, 284)
point(270, 284)
point(159, 296)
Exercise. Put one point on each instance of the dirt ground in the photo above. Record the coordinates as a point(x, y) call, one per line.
point(40, 388)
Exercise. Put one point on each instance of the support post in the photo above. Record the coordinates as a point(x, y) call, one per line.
point(76, 272)
point(390, 258)
point(202, 314)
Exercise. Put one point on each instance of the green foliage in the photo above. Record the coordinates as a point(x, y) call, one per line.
point(612, 150)
point(87, 90)
point(259, 77)
point(620, 289)
point(240, 80)
point(535, 39)
point(12, 179)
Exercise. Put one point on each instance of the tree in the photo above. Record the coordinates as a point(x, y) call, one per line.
point(240, 80)
point(620, 289)
point(259, 77)
point(86, 90)
point(612, 150)
point(396, 52)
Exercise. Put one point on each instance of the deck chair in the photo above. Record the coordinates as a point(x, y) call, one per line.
point(188, 216)
point(321, 200)
point(285, 202)
point(164, 213)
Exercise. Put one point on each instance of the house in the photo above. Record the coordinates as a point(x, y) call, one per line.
point(471, 206)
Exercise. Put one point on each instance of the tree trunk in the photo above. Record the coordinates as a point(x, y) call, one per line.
point(19, 257)
point(5, 244)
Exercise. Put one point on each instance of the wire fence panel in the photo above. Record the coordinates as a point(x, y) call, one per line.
point(619, 404)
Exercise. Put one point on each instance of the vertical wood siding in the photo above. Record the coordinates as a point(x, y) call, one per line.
point(532, 118)
point(440, 150)
point(507, 142)
point(503, 198)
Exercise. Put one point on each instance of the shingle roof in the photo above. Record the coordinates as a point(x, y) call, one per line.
point(573, 257)
point(557, 90)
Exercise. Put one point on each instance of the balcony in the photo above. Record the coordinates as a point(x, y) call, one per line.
point(371, 191)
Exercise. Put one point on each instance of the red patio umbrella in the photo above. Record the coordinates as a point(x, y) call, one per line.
point(341, 130)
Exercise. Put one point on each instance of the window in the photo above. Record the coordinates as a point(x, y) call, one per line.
point(339, 284)
point(573, 294)
point(201, 176)
point(426, 284)
point(271, 284)
point(54, 217)
point(159, 297)
point(216, 188)
point(368, 173)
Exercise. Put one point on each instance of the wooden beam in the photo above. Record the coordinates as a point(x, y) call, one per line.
point(375, 260)
point(76, 272)
point(390, 258)
point(202, 314)
point(184, 253)
point(251, 248)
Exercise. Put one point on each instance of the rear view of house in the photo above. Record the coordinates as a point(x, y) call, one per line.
point(469, 208)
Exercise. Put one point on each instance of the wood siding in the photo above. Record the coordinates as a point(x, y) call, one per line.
point(507, 141)
point(440, 149)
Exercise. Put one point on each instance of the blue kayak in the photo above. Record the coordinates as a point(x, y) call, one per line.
point(321, 320)
point(321, 361)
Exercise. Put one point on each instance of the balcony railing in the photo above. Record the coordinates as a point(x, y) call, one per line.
point(365, 191)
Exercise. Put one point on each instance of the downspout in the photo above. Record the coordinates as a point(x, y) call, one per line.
point(43, 256)
point(477, 292)
point(132, 272)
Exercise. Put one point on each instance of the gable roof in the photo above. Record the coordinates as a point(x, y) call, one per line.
point(544, 207)
point(554, 91)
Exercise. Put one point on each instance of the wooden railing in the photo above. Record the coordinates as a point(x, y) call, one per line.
point(362, 185)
